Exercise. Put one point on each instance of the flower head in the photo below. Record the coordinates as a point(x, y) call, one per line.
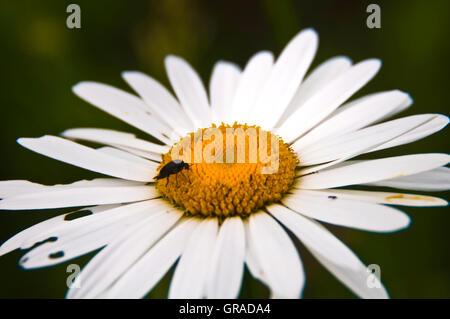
point(267, 150)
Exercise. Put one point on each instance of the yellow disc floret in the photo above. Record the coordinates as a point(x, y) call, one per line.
point(233, 170)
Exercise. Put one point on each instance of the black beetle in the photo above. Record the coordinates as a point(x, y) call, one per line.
point(170, 168)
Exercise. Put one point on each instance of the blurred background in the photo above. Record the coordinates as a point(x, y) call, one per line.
point(42, 59)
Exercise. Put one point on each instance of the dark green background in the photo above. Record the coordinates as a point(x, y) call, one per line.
point(41, 59)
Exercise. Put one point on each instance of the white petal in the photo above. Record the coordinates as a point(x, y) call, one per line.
point(86, 234)
point(437, 179)
point(341, 162)
point(189, 278)
point(276, 256)
point(52, 253)
point(102, 182)
point(123, 106)
point(436, 124)
point(14, 188)
point(148, 270)
point(116, 258)
point(319, 78)
point(285, 77)
point(80, 226)
point(373, 170)
point(379, 197)
point(253, 264)
point(88, 158)
point(222, 88)
point(17, 187)
point(42, 231)
point(400, 108)
point(190, 91)
point(361, 141)
point(67, 196)
point(325, 101)
point(111, 137)
point(330, 252)
point(159, 100)
point(369, 140)
point(156, 157)
point(348, 213)
point(125, 155)
point(227, 265)
point(250, 84)
point(355, 115)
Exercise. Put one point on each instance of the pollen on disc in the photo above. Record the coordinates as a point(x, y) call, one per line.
point(233, 170)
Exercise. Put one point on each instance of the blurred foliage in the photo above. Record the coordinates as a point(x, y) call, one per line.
point(42, 59)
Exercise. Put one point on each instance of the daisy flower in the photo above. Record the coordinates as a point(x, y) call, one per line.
point(209, 219)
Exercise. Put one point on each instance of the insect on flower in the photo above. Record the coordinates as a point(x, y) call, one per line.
point(173, 167)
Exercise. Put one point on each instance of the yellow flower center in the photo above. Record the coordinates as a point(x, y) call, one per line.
point(233, 170)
